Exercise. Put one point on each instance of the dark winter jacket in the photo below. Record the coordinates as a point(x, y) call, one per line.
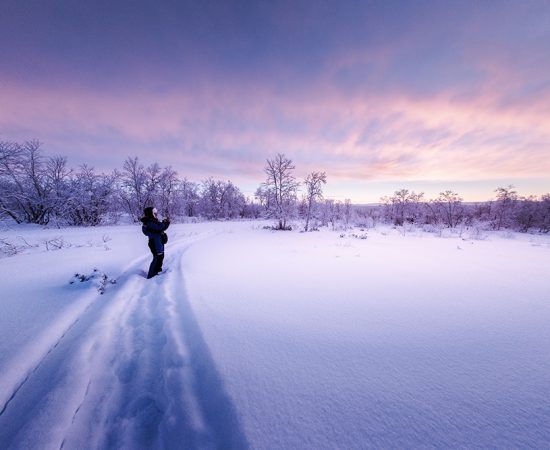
point(153, 229)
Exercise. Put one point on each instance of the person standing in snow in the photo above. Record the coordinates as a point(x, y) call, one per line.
point(154, 229)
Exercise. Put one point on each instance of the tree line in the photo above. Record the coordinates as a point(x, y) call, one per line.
point(508, 210)
point(35, 188)
point(40, 189)
point(278, 196)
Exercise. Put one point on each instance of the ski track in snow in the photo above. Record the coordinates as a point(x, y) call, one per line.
point(128, 369)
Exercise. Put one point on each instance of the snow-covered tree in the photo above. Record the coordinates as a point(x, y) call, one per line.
point(188, 197)
point(153, 175)
point(314, 192)
point(166, 196)
point(279, 191)
point(504, 207)
point(148, 186)
point(132, 190)
point(90, 197)
point(544, 213)
point(526, 213)
point(403, 206)
point(251, 209)
point(449, 208)
point(329, 213)
point(233, 201)
point(220, 199)
point(348, 212)
point(32, 185)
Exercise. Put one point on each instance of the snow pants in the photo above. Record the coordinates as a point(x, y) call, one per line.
point(156, 264)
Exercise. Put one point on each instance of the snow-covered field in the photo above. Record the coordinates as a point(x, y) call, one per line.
point(270, 340)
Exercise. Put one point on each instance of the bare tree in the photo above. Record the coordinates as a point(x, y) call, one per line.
point(210, 198)
point(167, 195)
point(233, 201)
point(33, 198)
point(526, 213)
point(251, 209)
point(544, 213)
point(11, 156)
point(278, 192)
point(449, 208)
point(348, 211)
point(220, 199)
point(403, 206)
point(188, 197)
point(329, 213)
point(153, 175)
point(133, 194)
point(58, 180)
point(504, 206)
point(314, 192)
point(89, 198)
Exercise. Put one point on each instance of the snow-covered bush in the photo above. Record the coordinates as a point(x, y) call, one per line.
point(477, 231)
point(97, 278)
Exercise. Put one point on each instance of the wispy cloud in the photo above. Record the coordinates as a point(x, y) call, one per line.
point(377, 92)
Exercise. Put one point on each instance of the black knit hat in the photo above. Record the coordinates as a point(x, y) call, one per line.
point(149, 212)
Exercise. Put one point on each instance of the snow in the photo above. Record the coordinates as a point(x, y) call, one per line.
point(266, 339)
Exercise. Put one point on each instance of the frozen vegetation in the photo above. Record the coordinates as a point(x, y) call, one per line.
point(40, 189)
point(386, 337)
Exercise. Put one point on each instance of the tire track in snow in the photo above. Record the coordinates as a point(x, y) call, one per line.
point(131, 372)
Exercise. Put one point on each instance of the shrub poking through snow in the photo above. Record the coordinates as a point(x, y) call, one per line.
point(276, 228)
point(106, 238)
point(7, 248)
point(99, 279)
point(56, 243)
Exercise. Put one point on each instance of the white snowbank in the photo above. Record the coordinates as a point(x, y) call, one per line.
point(393, 341)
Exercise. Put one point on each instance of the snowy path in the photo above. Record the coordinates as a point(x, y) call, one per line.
point(128, 369)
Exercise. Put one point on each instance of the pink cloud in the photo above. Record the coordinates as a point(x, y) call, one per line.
point(234, 128)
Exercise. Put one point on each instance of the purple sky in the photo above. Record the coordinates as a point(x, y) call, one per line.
point(382, 95)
